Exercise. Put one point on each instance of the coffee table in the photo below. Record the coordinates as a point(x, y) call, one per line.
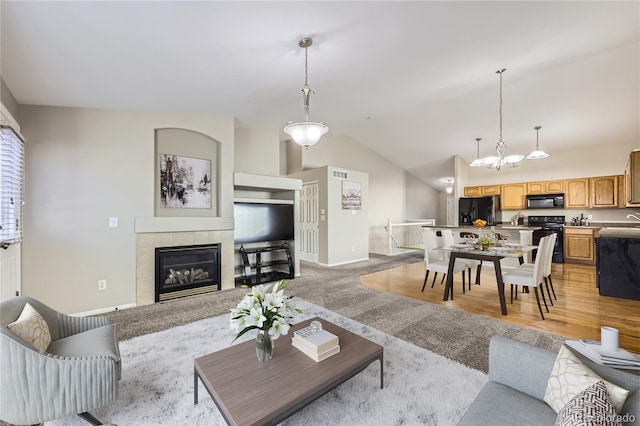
point(248, 392)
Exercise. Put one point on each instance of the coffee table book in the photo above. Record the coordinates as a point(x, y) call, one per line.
point(316, 342)
point(316, 356)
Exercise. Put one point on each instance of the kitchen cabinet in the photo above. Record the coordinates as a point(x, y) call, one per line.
point(632, 180)
point(621, 192)
point(604, 191)
point(554, 187)
point(512, 196)
point(545, 187)
point(579, 245)
point(576, 194)
point(477, 191)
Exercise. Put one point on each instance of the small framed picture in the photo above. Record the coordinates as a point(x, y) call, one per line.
point(351, 195)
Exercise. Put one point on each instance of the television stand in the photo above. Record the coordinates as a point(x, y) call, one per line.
point(254, 265)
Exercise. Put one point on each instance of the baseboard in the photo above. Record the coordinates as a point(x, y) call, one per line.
point(344, 263)
point(104, 310)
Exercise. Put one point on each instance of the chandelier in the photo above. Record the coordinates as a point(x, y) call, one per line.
point(306, 133)
point(537, 154)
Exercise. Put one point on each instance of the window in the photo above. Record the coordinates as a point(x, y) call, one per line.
point(11, 185)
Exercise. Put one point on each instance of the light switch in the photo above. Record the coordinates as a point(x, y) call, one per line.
point(113, 222)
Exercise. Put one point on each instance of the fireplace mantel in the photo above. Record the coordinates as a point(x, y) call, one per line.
point(144, 225)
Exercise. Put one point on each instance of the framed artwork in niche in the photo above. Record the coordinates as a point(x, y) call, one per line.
point(351, 195)
point(185, 182)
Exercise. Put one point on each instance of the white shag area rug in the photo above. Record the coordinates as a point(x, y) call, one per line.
point(156, 388)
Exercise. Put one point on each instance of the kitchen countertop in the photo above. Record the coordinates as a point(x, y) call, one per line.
point(629, 232)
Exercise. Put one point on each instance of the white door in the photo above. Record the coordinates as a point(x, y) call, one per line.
point(451, 211)
point(309, 222)
point(10, 271)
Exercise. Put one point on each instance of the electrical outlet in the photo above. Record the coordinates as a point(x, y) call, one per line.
point(590, 216)
point(102, 284)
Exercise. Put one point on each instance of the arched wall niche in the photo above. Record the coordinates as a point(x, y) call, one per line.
point(192, 196)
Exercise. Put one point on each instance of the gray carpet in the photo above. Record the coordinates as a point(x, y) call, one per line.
point(458, 335)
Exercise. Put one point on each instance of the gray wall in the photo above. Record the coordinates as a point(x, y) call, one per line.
point(83, 166)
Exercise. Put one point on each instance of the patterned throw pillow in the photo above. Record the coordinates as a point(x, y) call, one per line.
point(32, 328)
point(591, 407)
point(569, 377)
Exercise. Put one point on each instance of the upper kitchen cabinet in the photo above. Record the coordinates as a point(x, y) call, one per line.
point(545, 187)
point(604, 191)
point(512, 196)
point(632, 180)
point(576, 195)
point(621, 192)
point(477, 191)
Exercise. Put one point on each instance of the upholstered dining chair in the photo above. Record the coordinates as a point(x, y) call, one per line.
point(529, 277)
point(432, 261)
point(448, 241)
point(54, 365)
point(548, 261)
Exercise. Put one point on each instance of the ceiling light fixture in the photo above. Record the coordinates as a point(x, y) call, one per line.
point(306, 133)
point(501, 147)
point(538, 153)
point(449, 188)
point(478, 162)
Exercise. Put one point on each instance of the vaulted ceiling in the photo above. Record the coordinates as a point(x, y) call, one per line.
point(414, 81)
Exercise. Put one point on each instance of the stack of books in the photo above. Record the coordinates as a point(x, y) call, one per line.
point(317, 346)
point(593, 350)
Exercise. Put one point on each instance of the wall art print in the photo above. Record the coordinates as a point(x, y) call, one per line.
point(185, 182)
point(351, 195)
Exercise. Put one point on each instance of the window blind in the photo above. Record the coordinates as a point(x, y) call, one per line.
point(11, 185)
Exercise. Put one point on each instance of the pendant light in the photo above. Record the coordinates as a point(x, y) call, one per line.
point(449, 187)
point(478, 162)
point(306, 133)
point(501, 147)
point(538, 153)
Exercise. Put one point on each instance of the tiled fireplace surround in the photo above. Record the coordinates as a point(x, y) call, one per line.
point(153, 232)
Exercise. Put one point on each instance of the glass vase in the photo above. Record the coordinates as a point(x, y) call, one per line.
point(264, 346)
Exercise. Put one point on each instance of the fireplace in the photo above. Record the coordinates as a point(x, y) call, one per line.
point(187, 270)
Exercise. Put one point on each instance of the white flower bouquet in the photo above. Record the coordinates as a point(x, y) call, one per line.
point(271, 312)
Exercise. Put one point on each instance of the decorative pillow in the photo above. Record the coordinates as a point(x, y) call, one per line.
point(32, 328)
point(569, 377)
point(590, 407)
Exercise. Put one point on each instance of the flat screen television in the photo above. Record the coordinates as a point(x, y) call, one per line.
point(262, 222)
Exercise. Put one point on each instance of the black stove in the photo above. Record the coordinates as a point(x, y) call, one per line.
point(549, 225)
point(546, 221)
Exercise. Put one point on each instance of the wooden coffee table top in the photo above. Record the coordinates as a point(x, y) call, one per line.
point(249, 392)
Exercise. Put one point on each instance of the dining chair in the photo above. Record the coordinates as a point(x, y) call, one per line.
point(547, 261)
point(432, 261)
point(528, 277)
point(448, 241)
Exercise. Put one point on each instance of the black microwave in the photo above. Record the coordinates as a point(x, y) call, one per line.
point(545, 201)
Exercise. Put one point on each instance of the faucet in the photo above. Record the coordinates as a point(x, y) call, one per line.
point(635, 216)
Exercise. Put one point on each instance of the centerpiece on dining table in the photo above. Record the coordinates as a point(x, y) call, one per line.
point(485, 241)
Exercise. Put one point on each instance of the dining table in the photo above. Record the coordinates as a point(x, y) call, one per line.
point(492, 253)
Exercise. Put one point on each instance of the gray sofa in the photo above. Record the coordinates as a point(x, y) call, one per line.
point(78, 372)
point(518, 374)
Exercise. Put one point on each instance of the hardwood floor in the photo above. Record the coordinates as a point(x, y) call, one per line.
point(579, 311)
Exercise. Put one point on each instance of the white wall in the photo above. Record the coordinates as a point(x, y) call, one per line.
point(387, 183)
point(257, 151)
point(83, 166)
point(423, 201)
point(348, 230)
